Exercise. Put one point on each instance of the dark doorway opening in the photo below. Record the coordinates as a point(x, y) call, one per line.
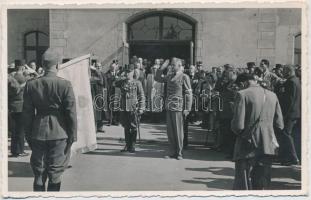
point(165, 50)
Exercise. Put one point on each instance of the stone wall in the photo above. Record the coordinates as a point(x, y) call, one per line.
point(21, 22)
point(222, 36)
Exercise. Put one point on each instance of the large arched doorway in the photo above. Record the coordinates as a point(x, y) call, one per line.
point(161, 34)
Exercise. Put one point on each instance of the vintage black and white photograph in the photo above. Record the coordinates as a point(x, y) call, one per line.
point(154, 99)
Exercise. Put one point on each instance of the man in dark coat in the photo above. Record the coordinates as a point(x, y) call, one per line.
point(111, 75)
point(291, 107)
point(227, 93)
point(49, 115)
point(256, 113)
point(97, 90)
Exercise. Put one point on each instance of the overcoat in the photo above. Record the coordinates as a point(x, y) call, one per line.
point(247, 108)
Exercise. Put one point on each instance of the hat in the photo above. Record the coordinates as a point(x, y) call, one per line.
point(18, 62)
point(51, 58)
point(278, 66)
point(199, 62)
point(250, 65)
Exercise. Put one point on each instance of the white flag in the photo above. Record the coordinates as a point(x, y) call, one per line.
point(77, 72)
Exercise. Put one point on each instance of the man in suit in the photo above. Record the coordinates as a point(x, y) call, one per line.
point(291, 107)
point(97, 89)
point(132, 105)
point(178, 104)
point(49, 115)
point(256, 113)
point(269, 79)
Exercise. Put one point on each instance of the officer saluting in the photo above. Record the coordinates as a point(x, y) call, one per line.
point(49, 114)
point(132, 104)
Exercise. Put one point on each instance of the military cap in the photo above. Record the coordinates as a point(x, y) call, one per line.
point(19, 62)
point(51, 58)
point(250, 65)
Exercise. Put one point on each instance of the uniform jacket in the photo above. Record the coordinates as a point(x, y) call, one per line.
point(247, 109)
point(178, 90)
point(132, 95)
point(49, 110)
point(291, 98)
point(15, 95)
point(227, 93)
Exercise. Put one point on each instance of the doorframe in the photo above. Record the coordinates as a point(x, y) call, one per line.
point(161, 13)
point(164, 42)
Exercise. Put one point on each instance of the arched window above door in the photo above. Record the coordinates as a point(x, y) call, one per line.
point(161, 26)
point(35, 44)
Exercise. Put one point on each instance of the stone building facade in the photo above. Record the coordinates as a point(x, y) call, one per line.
point(220, 36)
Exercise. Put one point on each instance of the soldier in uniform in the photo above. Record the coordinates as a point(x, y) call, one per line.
point(49, 115)
point(132, 105)
point(178, 103)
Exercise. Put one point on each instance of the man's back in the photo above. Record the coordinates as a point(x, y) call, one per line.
point(248, 107)
point(53, 100)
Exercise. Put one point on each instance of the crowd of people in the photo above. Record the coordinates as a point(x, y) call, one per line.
point(19, 73)
point(212, 99)
point(213, 91)
point(203, 96)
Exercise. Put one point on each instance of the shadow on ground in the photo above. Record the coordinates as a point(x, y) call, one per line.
point(19, 169)
point(155, 148)
point(215, 183)
point(225, 183)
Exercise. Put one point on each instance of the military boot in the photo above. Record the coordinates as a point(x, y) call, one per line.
point(54, 187)
point(38, 188)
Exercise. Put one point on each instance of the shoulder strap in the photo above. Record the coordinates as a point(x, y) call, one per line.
point(263, 104)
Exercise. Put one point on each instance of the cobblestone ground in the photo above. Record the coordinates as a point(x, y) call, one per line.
point(107, 169)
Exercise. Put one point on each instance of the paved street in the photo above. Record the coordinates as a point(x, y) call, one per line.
point(107, 169)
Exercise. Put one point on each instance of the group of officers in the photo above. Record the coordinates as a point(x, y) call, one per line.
point(257, 111)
